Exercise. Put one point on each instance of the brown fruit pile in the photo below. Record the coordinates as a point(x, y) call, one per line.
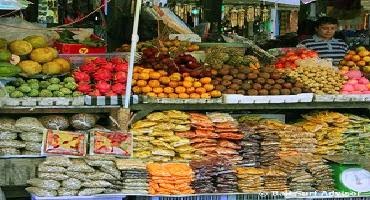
point(246, 81)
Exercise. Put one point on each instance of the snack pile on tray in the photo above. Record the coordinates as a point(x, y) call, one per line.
point(134, 176)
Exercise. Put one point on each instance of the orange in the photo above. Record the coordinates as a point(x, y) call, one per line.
point(215, 93)
point(205, 80)
point(147, 70)
point(351, 63)
point(173, 95)
point(364, 53)
point(135, 76)
point(175, 77)
point(356, 58)
point(162, 95)
point(138, 69)
point(173, 84)
point(168, 90)
point(141, 83)
point(158, 90)
point(190, 90)
point(164, 80)
point(194, 96)
point(154, 83)
point(346, 68)
point(351, 52)
point(151, 94)
point(348, 57)
point(197, 84)
point(188, 78)
point(180, 89)
point(133, 82)
point(144, 76)
point(205, 96)
point(155, 75)
point(361, 63)
point(136, 89)
point(187, 84)
point(208, 87)
point(366, 58)
point(146, 89)
point(200, 90)
point(163, 73)
point(183, 96)
point(361, 48)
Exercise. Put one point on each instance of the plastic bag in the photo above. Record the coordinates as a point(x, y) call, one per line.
point(90, 191)
point(29, 124)
point(31, 136)
point(96, 184)
point(80, 166)
point(101, 157)
point(112, 170)
point(55, 122)
point(83, 121)
point(99, 163)
point(51, 169)
point(163, 152)
point(11, 144)
point(57, 161)
point(44, 184)
point(32, 146)
point(67, 192)
point(52, 176)
point(77, 175)
point(100, 176)
point(72, 184)
point(25, 152)
point(6, 135)
point(9, 151)
point(7, 124)
point(41, 192)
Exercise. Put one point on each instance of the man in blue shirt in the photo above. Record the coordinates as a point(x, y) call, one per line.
point(324, 43)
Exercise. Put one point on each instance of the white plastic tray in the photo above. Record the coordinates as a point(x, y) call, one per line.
point(343, 98)
point(242, 99)
point(45, 101)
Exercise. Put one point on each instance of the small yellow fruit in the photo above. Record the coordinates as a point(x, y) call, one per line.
point(30, 67)
point(66, 66)
point(51, 68)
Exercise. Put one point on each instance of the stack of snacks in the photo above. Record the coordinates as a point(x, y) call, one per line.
point(357, 140)
point(230, 137)
point(270, 144)
point(226, 180)
point(274, 180)
point(155, 139)
point(321, 173)
point(251, 143)
point(250, 179)
point(328, 128)
point(134, 176)
point(294, 140)
point(170, 178)
point(203, 176)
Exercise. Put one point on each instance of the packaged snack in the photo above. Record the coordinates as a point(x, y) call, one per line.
point(90, 191)
point(143, 138)
point(142, 154)
point(52, 176)
point(96, 184)
point(7, 124)
point(9, 151)
point(80, 166)
point(31, 136)
point(72, 184)
point(143, 124)
point(110, 142)
point(55, 122)
point(51, 169)
point(57, 161)
point(11, 144)
point(33, 146)
point(64, 143)
point(67, 192)
point(44, 184)
point(162, 144)
point(77, 175)
point(161, 133)
point(29, 124)
point(7, 135)
point(99, 163)
point(112, 170)
point(100, 176)
point(41, 192)
point(100, 157)
point(163, 152)
point(83, 121)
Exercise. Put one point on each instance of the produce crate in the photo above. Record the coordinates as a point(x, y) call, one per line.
point(45, 101)
point(95, 197)
point(242, 99)
point(343, 98)
point(146, 99)
point(78, 48)
point(108, 101)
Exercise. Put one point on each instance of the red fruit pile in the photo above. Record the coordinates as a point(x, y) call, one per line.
point(288, 60)
point(102, 77)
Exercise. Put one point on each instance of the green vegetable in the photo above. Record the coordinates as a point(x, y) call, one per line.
point(25, 88)
point(3, 92)
point(53, 87)
point(33, 81)
point(71, 85)
point(18, 82)
point(16, 94)
point(44, 84)
point(54, 80)
point(46, 93)
point(8, 70)
point(9, 89)
point(34, 93)
point(69, 80)
point(34, 86)
point(66, 91)
point(77, 94)
point(58, 94)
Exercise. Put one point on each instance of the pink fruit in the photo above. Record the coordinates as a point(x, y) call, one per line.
point(103, 87)
point(352, 82)
point(354, 74)
point(110, 94)
point(120, 77)
point(84, 88)
point(119, 88)
point(345, 92)
point(117, 60)
point(107, 66)
point(103, 75)
point(88, 68)
point(121, 67)
point(81, 76)
point(363, 80)
point(348, 88)
point(95, 93)
point(360, 87)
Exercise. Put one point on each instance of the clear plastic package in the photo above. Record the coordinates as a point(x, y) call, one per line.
point(72, 184)
point(110, 142)
point(80, 166)
point(52, 176)
point(29, 124)
point(31, 136)
point(96, 184)
point(112, 170)
point(11, 144)
point(41, 192)
point(64, 143)
point(25, 152)
point(51, 169)
point(33, 146)
point(7, 135)
point(7, 124)
point(44, 184)
point(67, 192)
point(55, 122)
point(83, 121)
point(77, 175)
point(9, 151)
point(90, 191)
point(57, 161)
point(99, 163)
point(100, 176)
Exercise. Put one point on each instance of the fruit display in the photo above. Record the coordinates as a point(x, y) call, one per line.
point(114, 143)
point(358, 59)
point(51, 87)
point(318, 77)
point(159, 84)
point(289, 57)
point(102, 77)
point(252, 82)
point(64, 143)
point(356, 83)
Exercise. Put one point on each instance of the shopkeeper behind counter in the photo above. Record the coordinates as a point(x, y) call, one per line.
point(324, 43)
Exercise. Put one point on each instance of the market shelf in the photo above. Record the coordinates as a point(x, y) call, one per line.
point(59, 109)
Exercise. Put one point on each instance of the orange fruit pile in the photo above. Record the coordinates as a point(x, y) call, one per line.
point(358, 59)
point(170, 178)
point(159, 84)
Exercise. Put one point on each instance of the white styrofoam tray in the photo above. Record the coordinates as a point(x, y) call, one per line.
point(342, 98)
point(45, 101)
point(242, 99)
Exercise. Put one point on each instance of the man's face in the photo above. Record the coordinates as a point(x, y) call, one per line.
point(326, 31)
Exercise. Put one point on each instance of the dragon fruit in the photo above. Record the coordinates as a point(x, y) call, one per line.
point(117, 60)
point(120, 77)
point(119, 88)
point(122, 67)
point(84, 88)
point(102, 75)
point(110, 93)
point(100, 61)
point(81, 76)
point(88, 68)
point(108, 66)
point(103, 87)
point(95, 93)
